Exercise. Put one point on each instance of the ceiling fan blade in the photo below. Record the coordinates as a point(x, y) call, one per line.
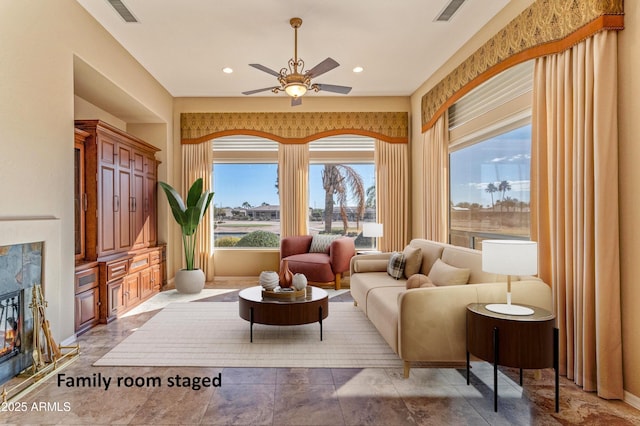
point(296, 101)
point(265, 69)
point(324, 66)
point(333, 88)
point(251, 92)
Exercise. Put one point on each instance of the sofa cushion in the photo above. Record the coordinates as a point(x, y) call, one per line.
point(442, 274)
point(431, 251)
point(315, 266)
point(463, 257)
point(382, 311)
point(418, 280)
point(396, 265)
point(320, 243)
point(370, 265)
point(363, 283)
point(412, 260)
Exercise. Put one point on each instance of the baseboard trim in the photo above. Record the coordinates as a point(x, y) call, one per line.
point(632, 400)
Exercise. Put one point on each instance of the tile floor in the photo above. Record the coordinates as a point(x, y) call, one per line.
point(292, 396)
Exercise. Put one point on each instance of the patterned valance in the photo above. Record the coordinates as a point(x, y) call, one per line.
point(546, 27)
point(294, 127)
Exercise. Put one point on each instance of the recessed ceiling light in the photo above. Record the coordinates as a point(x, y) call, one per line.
point(227, 70)
point(358, 69)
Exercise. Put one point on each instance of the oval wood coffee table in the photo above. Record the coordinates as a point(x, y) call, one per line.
point(314, 307)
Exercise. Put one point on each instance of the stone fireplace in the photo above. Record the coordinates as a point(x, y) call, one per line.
point(20, 269)
point(29, 255)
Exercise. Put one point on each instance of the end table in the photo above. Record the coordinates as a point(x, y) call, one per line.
point(520, 341)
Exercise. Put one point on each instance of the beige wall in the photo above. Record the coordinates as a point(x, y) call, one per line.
point(39, 41)
point(629, 125)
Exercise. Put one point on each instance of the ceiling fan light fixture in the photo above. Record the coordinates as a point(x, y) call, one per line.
point(295, 90)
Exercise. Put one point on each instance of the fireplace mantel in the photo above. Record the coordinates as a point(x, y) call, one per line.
point(47, 229)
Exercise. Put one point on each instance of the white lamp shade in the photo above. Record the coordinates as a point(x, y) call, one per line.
point(370, 229)
point(510, 257)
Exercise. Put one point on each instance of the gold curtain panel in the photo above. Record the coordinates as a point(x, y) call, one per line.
point(546, 27)
point(293, 127)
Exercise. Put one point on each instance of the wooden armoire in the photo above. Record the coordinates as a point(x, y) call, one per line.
point(119, 262)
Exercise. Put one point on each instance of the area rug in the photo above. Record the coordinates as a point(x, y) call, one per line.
point(211, 334)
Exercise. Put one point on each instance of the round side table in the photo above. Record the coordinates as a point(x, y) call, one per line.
point(520, 341)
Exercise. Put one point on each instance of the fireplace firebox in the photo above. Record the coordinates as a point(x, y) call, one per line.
point(20, 270)
point(10, 329)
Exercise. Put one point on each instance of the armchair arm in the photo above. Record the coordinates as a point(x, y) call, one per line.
point(340, 253)
point(295, 245)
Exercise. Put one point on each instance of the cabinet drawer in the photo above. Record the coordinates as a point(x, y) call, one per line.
point(139, 262)
point(117, 269)
point(86, 279)
point(154, 257)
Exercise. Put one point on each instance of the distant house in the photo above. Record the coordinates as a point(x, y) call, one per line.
point(264, 213)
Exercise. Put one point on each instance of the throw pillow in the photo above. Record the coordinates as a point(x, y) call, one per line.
point(395, 267)
point(320, 243)
point(443, 274)
point(418, 280)
point(367, 265)
point(412, 260)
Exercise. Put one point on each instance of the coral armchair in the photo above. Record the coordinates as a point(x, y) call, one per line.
point(322, 266)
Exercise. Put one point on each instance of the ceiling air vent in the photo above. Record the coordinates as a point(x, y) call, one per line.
point(122, 10)
point(449, 10)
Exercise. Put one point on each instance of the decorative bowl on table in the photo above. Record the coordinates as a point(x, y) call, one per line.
point(269, 280)
point(299, 281)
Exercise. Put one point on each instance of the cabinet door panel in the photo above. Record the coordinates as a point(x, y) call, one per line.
point(125, 157)
point(87, 308)
point(138, 213)
point(107, 149)
point(107, 205)
point(123, 220)
point(150, 211)
point(146, 283)
point(132, 290)
point(115, 299)
point(156, 277)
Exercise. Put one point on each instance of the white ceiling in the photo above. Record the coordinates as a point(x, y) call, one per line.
point(185, 44)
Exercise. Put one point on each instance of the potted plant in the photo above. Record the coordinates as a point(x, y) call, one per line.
point(190, 279)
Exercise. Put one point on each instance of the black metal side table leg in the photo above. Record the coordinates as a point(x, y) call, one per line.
point(556, 364)
point(468, 366)
point(496, 347)
point(320, 320)
point(521, 377)
point(251, 325)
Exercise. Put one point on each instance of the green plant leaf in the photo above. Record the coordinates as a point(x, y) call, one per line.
point(175, 202)
point(194, 192)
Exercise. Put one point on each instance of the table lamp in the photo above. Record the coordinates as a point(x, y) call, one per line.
point(510, 257)
point(373, 230)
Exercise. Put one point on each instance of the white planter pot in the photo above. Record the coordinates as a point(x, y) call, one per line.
point(189, 281)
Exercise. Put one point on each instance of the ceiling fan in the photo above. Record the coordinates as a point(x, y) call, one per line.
point(294, 80)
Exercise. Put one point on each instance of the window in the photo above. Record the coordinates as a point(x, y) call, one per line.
point(342, 191)
point(246, 202)
point(489, 185)
point(490, 159)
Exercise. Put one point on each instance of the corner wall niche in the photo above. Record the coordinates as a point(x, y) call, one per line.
point(122, 263)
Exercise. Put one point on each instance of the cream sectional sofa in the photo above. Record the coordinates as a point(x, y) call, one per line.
point(428, 324)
